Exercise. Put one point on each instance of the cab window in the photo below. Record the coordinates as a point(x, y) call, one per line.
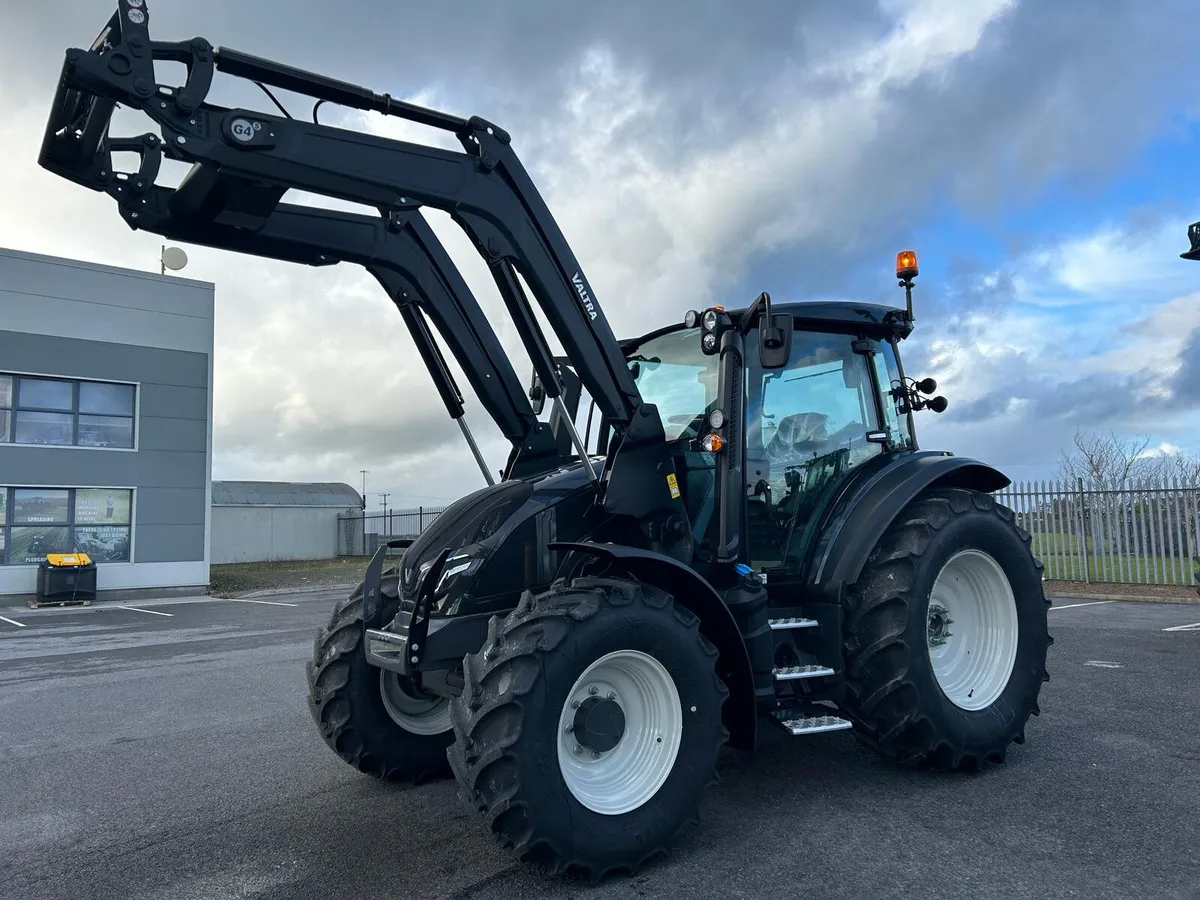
point(806, 429)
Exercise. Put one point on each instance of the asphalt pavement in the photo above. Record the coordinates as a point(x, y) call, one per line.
point(164, 750)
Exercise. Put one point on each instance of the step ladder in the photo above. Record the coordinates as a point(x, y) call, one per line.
point(793, 673)
point(798, 723)
point(792, 622)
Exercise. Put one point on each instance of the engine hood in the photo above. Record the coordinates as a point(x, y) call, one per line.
point(484, 519)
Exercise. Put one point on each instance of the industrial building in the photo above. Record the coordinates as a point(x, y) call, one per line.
point(271, 520)
point(105, 422)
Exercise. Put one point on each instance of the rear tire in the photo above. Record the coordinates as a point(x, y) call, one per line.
point(373, 719)
point(946, 634)
point(592, 801)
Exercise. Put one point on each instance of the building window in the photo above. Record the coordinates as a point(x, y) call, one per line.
point(65, 413)
point(37, 521)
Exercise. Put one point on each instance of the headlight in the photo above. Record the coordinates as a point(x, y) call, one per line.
point(710, 320)
point(709, 341)
point(716, 418)
point(458, 565)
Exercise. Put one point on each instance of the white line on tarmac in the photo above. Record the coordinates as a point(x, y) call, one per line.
point(1103, 664)
point(152, 612)
point(13, 622)
point(1195, 626)
point(264, 602)
point(1092, 603)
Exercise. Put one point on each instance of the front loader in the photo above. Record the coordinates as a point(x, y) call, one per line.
point(748, 537)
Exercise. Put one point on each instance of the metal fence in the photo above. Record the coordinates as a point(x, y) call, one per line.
point(361, 535)
point(1139, 533)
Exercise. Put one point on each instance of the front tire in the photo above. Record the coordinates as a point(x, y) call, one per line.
point(589, 726)
point(946, 634)
point(375, 720)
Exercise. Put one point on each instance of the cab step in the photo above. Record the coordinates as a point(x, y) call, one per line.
point(792, 622)
point(799, 723)
point(792, 673)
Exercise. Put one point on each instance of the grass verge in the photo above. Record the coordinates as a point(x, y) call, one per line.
point(232, 579)
point(1104, 590)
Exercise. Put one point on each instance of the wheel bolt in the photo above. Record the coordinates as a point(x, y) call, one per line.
point(578, 749)
point(570, 728)
point(612, 695)
point(574, 704)
point(593, 690)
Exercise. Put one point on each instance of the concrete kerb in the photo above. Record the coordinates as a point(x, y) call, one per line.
point(1124, 598)
point(282, 592)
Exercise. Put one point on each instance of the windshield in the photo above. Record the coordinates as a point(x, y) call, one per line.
point(672, 373)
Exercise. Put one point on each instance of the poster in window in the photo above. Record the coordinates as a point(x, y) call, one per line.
point(31, 544)
point(103, 543)
point(32, 506)
point(102, 506)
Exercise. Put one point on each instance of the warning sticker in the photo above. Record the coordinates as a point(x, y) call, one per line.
point(673, 484)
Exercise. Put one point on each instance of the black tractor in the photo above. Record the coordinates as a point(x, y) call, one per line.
point(723, 525)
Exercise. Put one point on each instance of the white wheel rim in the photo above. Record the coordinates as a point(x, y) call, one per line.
point(418, 715)
point(622, 779)
point(971, 630)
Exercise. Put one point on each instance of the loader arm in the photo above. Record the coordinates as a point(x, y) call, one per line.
point(404, 255)
point(245, 160)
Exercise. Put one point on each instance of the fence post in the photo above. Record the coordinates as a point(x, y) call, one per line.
point(1085, 526)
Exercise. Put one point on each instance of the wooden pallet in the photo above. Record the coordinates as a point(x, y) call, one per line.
point(38, 603)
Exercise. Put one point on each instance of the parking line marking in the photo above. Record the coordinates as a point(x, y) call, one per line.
point(264, 602)
point(1104, 664)
point(152, 612)
point(1092, 603)
point(14, 622)
point(1195, 626)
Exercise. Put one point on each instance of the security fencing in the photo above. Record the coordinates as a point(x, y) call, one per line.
point(1145, 532)
point(361, 535)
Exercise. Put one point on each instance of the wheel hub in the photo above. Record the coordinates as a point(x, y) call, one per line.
point(619, 732)
point(972, 663)
point(939, 625)
point(599, 724)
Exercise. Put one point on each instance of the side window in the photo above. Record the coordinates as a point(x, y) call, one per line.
point(809, 423)
point(888, 372)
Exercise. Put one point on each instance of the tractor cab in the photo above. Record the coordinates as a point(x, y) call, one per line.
point(820, 397)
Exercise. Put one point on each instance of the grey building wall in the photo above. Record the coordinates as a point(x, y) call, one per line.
point(255, 521)
point(257, 534)
point(77, 320)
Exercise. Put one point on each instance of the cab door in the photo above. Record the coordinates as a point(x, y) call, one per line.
point(807, 428)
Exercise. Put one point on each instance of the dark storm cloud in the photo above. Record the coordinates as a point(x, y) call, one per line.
point(1186, 382)
point(1066, 90)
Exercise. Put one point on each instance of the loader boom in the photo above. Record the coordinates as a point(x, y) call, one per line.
point(244, 161)
point(404, 255)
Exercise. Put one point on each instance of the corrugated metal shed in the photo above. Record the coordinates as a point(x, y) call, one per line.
point(284, 493)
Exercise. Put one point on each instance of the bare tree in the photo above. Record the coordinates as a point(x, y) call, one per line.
point(1111, 460)
point(1181, 468)
point(1103, 460)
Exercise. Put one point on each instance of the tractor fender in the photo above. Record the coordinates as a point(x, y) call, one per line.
point(717, 624)
point(870, 507)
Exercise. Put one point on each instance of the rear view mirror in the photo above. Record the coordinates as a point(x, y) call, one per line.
point(774, 341)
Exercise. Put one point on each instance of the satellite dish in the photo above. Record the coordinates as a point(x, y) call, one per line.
point(173, 258)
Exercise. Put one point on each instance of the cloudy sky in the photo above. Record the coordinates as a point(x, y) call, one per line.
point(1042, 158)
